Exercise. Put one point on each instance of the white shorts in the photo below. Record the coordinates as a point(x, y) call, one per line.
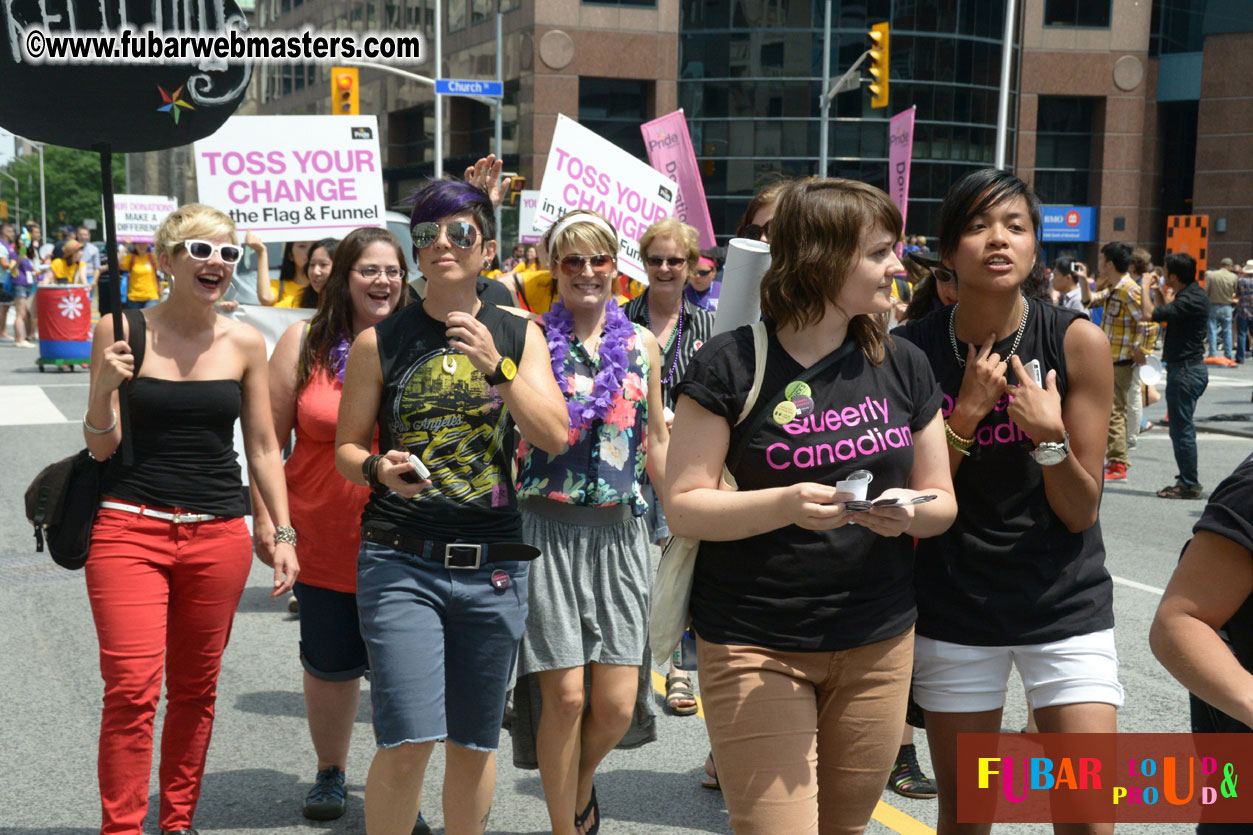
point(956, 678)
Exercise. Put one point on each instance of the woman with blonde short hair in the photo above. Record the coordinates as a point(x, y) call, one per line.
point(169, 550)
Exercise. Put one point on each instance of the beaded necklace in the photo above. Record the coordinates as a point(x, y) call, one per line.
point(677, 333)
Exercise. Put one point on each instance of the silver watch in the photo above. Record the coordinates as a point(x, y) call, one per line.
point(1050, 453)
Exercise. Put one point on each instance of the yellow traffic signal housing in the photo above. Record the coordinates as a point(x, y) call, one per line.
point(879, 57)
point(345, 91)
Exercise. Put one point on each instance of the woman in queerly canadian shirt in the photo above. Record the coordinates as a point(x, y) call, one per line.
point(1019, 579)
point(584, 509)
point(442, 572)
point(803, 607)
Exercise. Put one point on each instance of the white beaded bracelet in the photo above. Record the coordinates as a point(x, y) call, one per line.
point(93, 430)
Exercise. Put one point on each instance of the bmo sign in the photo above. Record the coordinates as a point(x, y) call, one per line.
point(1067, 223)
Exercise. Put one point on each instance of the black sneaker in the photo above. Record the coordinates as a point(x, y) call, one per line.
point(907, 778)
point(328, 799)
point(421, 827)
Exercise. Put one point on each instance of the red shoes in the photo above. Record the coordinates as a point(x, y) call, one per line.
point(1115, 471)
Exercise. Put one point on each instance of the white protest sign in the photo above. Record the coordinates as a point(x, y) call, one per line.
point(585, 171)
point(137, 216)
point(528, 201)
point(294, 178)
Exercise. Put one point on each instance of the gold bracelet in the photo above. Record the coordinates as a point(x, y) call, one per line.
point(956, 441)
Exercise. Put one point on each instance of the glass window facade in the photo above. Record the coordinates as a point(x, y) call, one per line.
point(1088, 13)
point(1063, 150)
point(750, 77)
point(615, 108)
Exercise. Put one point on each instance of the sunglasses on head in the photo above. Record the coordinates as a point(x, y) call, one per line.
point(461, 233)
point(203, 251)
point(572, 265)
point(655, 261)
point(754, 232)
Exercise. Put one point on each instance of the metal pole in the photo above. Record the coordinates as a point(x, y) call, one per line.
point(439, 104)
point(499, 106)
point(43, 206)
point(826, 85)
point(1002, 104)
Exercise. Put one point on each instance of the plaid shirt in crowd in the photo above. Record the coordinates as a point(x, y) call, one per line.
point(1123, 321)
point(1244, 289)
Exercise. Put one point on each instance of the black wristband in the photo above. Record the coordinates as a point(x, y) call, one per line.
point(370, 468)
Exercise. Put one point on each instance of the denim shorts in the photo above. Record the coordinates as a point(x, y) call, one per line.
point(331, 648)
point(442, 645)
point(23, 291)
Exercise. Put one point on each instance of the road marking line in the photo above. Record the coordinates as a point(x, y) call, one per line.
point(26, 406)
point(889, 816)
point(1141, 586)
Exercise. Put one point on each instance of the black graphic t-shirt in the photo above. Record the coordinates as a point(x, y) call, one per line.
point(793, 589)
point(438, 406)
point(1008, 571)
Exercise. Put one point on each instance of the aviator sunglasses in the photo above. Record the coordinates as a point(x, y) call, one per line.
point(572, 265)
point(461, 234)
point(203, 251)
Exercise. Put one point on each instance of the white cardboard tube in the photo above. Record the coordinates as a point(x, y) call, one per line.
point(740, 301)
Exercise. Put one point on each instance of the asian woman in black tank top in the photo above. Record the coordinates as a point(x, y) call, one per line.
point(1020, 576)
point(170, 552)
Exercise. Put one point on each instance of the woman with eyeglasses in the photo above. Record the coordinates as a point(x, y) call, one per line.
point(442, 571)
point(363, 286)
point(1020, 578)
point(170, 552)
point(584, 509)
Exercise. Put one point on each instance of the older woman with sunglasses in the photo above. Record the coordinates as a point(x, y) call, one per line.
point(169, 550)
point(584, 510)
point(442, 572)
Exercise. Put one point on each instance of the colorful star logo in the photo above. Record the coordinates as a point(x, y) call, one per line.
point(172, 103)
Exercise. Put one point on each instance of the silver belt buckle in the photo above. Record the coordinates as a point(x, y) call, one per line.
point(186, 518)
point(454, 551)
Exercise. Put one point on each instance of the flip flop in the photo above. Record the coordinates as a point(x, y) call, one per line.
point(710, 781)
point(679, 689)
point(592, 808)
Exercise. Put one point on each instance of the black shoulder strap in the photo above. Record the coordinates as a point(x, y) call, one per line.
point(766, 404)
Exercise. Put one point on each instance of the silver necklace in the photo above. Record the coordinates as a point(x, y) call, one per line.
point(952, 333)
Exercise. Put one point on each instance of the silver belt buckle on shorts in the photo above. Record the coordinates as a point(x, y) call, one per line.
point(456, 556)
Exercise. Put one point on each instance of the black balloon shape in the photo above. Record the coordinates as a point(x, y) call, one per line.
point(124, 107)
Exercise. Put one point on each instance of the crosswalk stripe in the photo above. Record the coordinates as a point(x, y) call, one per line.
point(27, 406)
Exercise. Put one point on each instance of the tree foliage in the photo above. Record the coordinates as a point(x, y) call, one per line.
point(72, 186)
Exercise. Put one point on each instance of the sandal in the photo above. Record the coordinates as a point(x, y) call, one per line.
point(710, 780)
point(679, 689)
point(1180, 491)
point(593, 808)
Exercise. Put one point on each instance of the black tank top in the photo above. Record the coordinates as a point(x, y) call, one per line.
point(438, 406)
point(1008, 571)
point(183, 433)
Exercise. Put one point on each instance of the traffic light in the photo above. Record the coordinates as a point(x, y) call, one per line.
point(345, 91)
point(4, 209)
point(879, 65)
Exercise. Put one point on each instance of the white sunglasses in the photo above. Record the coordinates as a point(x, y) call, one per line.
point(203, 251)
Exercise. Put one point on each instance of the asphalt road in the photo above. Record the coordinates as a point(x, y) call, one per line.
point(261, 760)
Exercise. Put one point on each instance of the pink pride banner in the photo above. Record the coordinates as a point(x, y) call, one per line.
point(670, 152)
point(900, 157)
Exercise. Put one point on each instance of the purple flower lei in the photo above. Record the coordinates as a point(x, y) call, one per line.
point(338, 356)
point(559, 328)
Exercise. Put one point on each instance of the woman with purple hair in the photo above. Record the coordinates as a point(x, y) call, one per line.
point(442, 572)
point(585, 510)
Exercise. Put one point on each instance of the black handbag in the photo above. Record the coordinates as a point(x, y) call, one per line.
point(63, 499)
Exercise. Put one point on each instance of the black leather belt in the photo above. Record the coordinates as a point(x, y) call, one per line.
point(459, 555)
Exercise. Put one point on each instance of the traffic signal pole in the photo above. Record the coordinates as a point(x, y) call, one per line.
point(1002, 102)
point(850, 80)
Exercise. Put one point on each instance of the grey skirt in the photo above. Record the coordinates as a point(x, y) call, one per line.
point(589, 588)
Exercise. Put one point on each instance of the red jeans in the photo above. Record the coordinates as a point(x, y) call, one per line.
point(163, 596)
